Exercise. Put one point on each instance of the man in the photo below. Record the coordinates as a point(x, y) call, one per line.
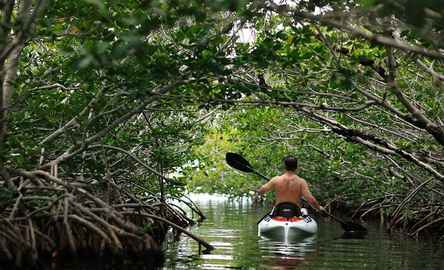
point(289, 189)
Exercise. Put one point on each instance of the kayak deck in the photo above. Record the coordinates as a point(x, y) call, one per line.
point(284, 228)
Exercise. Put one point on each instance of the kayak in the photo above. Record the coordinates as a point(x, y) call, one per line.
point(287, 227)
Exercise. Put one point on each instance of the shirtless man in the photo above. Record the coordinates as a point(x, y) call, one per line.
point(289, 187)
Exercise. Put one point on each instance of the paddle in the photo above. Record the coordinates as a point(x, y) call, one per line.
point(240, 163)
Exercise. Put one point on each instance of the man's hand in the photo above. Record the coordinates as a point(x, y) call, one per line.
point(257, 197)
point(322, 209)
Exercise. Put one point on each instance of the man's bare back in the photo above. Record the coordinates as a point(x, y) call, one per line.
point(289, 188)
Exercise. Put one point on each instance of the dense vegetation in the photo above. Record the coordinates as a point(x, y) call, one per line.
point(102, 100)
point(358, 100)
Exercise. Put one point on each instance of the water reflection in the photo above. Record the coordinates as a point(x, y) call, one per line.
point(281, 255)
point(231, 228)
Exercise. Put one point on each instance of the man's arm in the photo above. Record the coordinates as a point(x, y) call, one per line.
point(309, 197)
point(267, 186)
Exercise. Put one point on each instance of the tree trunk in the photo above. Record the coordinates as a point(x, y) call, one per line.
point(9, 74)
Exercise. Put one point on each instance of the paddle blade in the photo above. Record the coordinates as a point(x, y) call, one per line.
point(238, 162)
point(353, 227)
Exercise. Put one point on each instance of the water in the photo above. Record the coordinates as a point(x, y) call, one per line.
point(231, 228)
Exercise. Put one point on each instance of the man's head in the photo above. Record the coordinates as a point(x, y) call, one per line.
point(291, 163)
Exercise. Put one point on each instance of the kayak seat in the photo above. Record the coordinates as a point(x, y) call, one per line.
point(286, 210)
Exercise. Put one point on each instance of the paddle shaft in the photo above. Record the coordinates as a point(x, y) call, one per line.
point(261, 175)
point(327, 213)
point(333, 217)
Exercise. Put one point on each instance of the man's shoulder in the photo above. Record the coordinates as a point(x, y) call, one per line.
point(300, 179)
point(276, 178)
point(285, 178)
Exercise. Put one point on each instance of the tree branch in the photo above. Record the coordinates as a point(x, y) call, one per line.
point(384, 40)
point(421, 120)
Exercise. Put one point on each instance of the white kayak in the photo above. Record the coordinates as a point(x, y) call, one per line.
point(287, 228)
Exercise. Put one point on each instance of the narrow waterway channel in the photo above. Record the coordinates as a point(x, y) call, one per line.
point(231, 228)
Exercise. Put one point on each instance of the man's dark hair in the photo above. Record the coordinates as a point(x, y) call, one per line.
point(291, 163)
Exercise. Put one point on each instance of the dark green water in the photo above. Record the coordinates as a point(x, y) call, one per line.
point(231, 228)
